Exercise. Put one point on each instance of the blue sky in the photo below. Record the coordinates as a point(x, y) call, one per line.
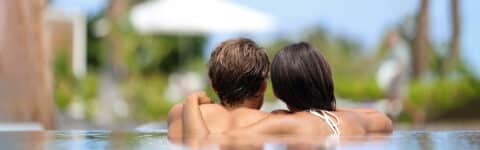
point(364, 20)
point(90, 7)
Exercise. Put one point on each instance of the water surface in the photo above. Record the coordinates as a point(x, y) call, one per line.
point(79, 140)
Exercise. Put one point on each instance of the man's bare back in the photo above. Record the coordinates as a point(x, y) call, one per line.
point(217, 118)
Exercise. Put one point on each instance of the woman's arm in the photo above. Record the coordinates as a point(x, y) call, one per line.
point(193, 123)
point(379, 123)
point(375, 121)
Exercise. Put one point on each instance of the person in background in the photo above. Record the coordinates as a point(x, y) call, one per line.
point(393, 73)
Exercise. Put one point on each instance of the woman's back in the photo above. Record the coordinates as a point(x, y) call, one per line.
point(305, 124)
point(345, 123)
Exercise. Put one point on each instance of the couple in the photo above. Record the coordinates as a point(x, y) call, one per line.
point(301, 77)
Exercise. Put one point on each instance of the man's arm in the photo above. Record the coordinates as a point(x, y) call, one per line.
point(193, 123)
point(379, 123)
point(174, 121)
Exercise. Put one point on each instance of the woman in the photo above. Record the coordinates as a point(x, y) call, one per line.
point(301, 77)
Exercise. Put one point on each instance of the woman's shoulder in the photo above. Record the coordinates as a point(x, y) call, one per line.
point(347, 122)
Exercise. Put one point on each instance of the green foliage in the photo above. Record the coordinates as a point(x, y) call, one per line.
point(443, 94)
point(87, 90)
point(353, 73)
point(63, 93)
point(63, 80)
point(163, 53)
point(146, 96)
point(143, 63)
point(148, 60)
point(96, 49)
point(444, 90)
point(358, 89)
point(149, 53)
point(66, 86)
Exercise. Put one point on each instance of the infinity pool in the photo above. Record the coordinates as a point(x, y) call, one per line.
point(399, 140)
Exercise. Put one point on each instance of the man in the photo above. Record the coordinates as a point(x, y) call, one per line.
point(237, 69)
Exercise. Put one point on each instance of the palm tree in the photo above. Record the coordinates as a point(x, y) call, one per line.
point(420, 41)
point(456, 29)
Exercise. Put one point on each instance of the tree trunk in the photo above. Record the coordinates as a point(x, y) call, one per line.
point(456, 29)
point(25, 72)
point(420, 41)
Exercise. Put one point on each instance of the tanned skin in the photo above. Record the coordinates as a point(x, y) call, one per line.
point(218, 118)
point(352, 122)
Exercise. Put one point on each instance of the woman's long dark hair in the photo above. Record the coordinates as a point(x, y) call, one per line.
point(301, 77)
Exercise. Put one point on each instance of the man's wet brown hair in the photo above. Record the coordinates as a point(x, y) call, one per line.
point(237, 69)
point(301, 77)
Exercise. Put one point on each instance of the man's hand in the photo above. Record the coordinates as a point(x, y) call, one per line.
point(198, 98)
point(194, 126)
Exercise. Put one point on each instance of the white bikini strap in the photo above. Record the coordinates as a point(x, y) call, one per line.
point(330, 118)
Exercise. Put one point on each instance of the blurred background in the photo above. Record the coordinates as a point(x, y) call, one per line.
point(121, 64)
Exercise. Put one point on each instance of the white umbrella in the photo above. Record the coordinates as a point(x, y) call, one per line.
point(198, 16)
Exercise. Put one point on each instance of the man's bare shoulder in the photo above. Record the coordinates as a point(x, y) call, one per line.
point(176, 111)
point(213, 111)
point(215, 115)
point(205, 108)
point(273, 124)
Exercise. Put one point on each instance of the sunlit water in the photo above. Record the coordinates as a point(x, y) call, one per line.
point(79, 140)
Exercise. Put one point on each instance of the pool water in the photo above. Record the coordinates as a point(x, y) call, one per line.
point(79, 140)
